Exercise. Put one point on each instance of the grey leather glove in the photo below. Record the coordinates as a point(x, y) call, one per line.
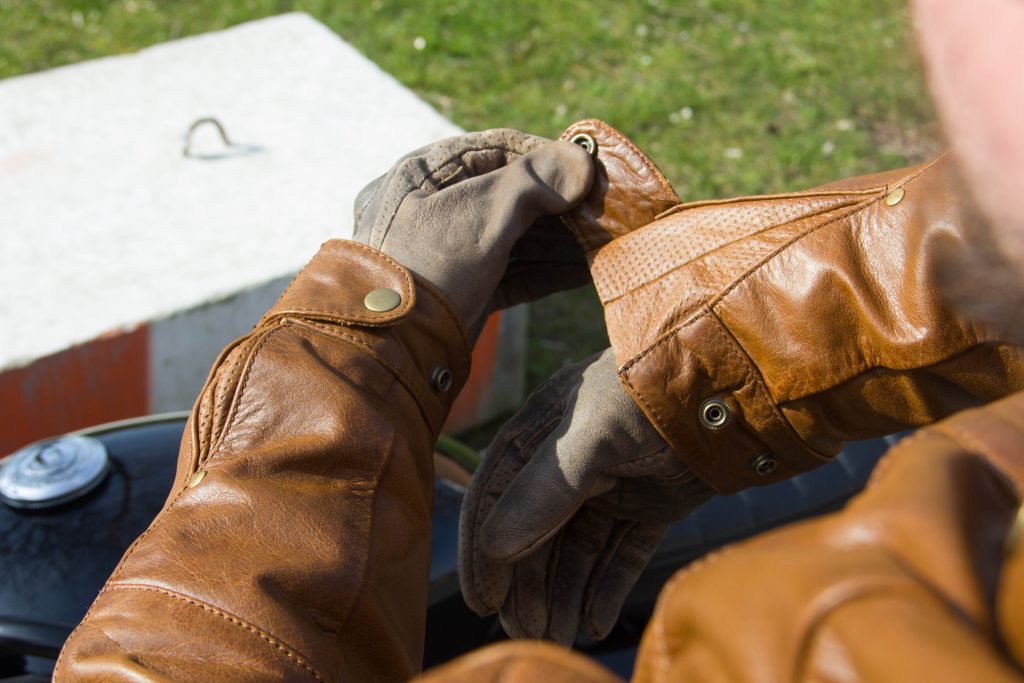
point(455, 212)
point(572, 499)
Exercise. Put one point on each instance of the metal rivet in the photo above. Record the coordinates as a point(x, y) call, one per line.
point(585, 141)
point(382, 300)
point(441, 379)
point(196, 478)
point(895, 196)
point(715, 413)
point(764, 464)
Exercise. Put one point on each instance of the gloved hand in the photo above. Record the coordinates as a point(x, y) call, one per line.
point(453, 212)
point(572, 499)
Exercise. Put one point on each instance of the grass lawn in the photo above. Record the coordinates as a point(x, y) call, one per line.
point(727, 96)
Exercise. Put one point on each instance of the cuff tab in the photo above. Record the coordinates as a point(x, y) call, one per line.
point(628, 192)
point(351, 284)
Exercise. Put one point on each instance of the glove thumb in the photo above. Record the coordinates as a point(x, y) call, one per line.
point(568, 467)
point(546, 181)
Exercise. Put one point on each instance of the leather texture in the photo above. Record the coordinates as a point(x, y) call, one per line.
point(628, 189)
point(303, 553)
point(574, 496)
point(519, 662)
point(815, 317)
point(919, 578)
point(913, 581)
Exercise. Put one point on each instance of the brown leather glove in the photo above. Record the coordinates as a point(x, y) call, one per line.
point(575, 494)
point(454, 211)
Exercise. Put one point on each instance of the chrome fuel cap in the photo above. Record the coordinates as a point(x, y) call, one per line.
point(47, 474)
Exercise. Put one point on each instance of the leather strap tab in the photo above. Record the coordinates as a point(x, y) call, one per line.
point(323, 291)
point(638, 193)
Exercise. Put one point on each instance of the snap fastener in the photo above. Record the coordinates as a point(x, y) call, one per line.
point(585, 141)
point(441, 379)
point(382, 300)
point(196, 478)
point(715, 413)
point(895, 196)
point(764, 464)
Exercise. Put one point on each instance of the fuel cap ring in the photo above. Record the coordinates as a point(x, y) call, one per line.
point(54, 472)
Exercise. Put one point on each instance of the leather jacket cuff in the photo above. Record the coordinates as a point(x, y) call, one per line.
point(759, 334)
point(406, 324)
point(694, 382)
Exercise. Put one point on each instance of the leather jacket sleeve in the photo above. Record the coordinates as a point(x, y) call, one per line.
point(295, 544)
point(759, 334)
point(815, 318)
point(919, 578)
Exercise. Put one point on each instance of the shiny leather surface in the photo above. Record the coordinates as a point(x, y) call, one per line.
point(817, 316)
point(628, 191)
point(518, 662)
point(315, 432)
point(303, 554)
point(53, 562)
point(912, 581)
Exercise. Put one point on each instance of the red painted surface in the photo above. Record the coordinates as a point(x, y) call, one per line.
point(99, 381)
point(108, 379)
point(485, 354)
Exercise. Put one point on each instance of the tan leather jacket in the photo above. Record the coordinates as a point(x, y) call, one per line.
point(920, 578)
point(810, 319)
point(295, 543)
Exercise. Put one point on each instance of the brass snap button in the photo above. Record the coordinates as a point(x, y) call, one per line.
point(764, 464)
point(196, 479)
point(441, 379)
point(382, 300)
point(585, 141)
point(895, 196)
point(715, 413)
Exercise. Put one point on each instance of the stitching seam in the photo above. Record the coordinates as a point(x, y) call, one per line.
point(807, 194)
point(737, 240)
point(706, 308)
point(229, 421)
point(402, 272)
point(761, 387)
point(284, 649)
point(335, 333)
point(644, 159)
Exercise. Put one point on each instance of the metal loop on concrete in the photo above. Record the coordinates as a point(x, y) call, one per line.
point(187, 151)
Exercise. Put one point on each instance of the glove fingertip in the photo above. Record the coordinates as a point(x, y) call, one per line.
point(499, 543)
point(484, 586)
point(567, 169)
point(598, 626)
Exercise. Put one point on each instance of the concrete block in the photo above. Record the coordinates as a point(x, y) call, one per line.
point(125, 265)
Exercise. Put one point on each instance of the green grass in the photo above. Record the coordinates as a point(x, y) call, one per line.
point(728, 96)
